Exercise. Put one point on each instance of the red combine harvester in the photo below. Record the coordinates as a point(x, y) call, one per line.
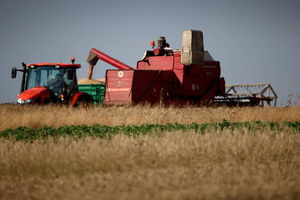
point(44, 83)
point(170, 76)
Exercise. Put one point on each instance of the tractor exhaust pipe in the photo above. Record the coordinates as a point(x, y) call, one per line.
point(95, 55)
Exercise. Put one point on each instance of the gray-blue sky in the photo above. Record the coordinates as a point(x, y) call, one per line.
point(255, 41)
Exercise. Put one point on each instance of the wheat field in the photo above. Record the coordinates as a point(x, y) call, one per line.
point(177, 165)
point(12, 116)
point(228, 164)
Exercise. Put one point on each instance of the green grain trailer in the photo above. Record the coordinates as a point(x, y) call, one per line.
point(97, 91)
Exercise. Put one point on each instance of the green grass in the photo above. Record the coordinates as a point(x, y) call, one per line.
point(102, 131)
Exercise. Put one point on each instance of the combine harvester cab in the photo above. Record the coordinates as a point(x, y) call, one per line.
point(44, 83)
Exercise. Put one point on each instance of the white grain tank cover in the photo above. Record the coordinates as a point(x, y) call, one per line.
point(192, 47)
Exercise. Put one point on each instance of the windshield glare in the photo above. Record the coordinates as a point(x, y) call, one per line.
point(52, 78)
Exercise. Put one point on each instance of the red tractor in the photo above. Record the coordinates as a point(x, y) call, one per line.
point(44, 83)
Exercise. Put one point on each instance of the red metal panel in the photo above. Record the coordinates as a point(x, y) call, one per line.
point(34, 93)
point(212, 70)
point(178, 67)
point(146, 86)
point(199, 78)
point(155, 86)
point(118, 86)
point(157, 63)
point(210, 92)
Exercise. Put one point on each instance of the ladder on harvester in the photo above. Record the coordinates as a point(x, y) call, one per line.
point(249, 94)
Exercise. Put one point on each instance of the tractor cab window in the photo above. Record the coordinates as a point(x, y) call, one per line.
point(55, 79)
point(41, 76)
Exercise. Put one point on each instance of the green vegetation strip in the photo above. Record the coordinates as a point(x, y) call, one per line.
point(81, 131)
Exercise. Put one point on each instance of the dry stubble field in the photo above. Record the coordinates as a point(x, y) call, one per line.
point(228, 164)
point(37, 117)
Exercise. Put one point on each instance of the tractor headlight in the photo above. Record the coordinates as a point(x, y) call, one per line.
point(20, 101)
point(27, 101)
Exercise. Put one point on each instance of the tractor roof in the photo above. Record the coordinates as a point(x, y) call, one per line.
point(54, 64)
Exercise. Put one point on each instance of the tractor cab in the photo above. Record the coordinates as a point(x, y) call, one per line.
point(58, 78)
point(49, 83)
